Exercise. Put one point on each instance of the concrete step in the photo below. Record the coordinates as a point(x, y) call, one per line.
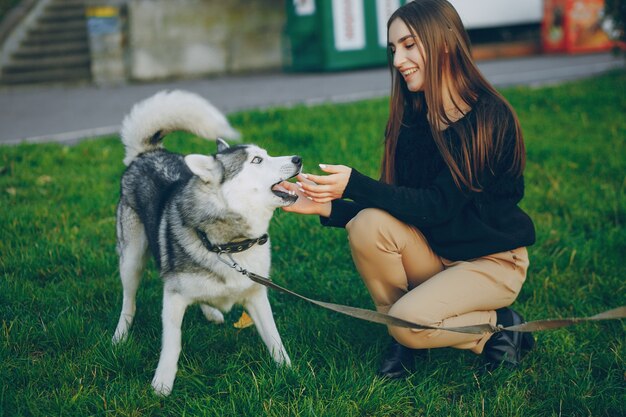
point(63, 15)
point(47, 76)
point(55, 50)
point(55, 27)
point(58, 62)
point(52, 49)
point(66, 4)
point(41, 39)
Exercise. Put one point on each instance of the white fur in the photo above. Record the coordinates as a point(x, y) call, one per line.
point(244, 195)
point(169, 111)
point(248, 194)
point(186, 289)
point(204, 167)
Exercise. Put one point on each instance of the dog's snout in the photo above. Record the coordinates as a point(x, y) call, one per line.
point(296, 160)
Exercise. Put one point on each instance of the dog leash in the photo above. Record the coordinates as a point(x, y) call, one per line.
point(381, 318)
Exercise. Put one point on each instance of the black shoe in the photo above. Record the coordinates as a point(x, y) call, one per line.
point(507, 348)
point(398, 361)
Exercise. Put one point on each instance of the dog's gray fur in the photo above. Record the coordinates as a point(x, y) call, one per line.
point(167, 198)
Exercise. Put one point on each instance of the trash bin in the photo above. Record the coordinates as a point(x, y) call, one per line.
point(574, 26)
point(332, 35)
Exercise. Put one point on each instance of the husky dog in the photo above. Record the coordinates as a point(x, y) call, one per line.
point(186, 210)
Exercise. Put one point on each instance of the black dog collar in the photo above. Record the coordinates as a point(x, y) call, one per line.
point(232, 247)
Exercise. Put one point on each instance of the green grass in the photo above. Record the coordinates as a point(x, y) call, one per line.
point(60, 295)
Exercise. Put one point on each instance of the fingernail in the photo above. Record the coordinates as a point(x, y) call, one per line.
point(309, 198)
point(304, 176)
point(322, 166)
point(299, 184)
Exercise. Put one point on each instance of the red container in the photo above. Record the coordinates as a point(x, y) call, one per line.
point(574, 26)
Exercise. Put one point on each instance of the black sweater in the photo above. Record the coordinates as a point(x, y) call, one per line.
point(458, 224)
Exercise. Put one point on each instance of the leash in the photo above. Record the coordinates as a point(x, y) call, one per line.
point(381, 318)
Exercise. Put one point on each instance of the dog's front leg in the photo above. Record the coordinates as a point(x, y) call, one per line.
point(260, 310)
point(174, 306)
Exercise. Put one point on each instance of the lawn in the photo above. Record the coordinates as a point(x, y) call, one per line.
point(60, 294)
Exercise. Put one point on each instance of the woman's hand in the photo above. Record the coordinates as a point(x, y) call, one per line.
point(326, 188)
point(304, 204)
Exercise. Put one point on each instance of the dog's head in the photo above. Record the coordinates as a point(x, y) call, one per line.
point(248, 176)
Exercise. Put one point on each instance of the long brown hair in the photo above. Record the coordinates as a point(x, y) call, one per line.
point(446, 47)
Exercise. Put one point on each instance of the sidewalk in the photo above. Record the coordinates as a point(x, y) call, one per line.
point(68, 114)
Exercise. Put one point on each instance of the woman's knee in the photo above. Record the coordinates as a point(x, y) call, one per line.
point(367, 227)
point(364, 220)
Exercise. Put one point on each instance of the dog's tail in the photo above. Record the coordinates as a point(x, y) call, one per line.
point(148, 122)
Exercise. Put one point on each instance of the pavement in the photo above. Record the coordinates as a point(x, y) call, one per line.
point(67, 114)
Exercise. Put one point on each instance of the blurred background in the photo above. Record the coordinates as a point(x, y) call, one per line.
point(108, 42)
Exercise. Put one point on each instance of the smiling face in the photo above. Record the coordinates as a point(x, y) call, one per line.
point(408, 55)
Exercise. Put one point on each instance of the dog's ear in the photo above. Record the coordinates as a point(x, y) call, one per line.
point(222, 145)
point(205, 167)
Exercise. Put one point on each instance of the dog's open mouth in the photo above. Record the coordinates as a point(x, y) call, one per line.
point(286, 195)
point(281, 191)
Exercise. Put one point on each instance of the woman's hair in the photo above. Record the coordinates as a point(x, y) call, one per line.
point(446, 48)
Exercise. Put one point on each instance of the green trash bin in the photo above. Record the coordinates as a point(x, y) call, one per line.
point(330, 35)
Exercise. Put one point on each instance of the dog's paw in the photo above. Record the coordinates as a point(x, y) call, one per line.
point(161, 388)
point(119, 337)
point(212, 314)
point(282, 360)
point(121, 331)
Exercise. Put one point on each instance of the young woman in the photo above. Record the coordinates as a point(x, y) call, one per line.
point(440, 239)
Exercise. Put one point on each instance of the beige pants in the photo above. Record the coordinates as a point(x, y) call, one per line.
point(408, 280)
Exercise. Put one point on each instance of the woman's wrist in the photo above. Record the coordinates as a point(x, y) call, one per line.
point(326, 209)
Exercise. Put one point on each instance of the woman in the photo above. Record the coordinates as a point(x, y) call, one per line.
point(440, 239)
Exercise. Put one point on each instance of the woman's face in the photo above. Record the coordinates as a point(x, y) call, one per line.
point(408, 55)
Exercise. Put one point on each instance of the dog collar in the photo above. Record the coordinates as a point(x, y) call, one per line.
point(232, 247)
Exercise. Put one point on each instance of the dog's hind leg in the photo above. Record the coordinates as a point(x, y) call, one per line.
point(174, 306)
point(260, 311)
point(212, 314)
point(132, 246)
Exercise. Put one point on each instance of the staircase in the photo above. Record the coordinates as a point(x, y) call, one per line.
point(54, 50)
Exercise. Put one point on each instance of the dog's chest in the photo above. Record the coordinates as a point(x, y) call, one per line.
point(221, 285)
